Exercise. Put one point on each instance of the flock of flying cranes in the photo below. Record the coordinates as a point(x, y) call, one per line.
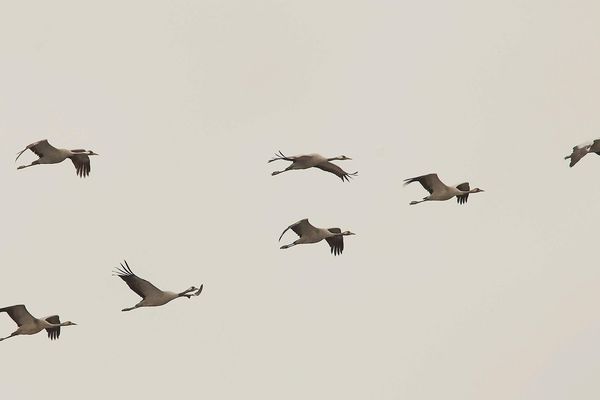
point(152, 296)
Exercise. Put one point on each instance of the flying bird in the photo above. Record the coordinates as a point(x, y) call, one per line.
point(49, 154)
point(29, 325)
point(150, 294)
point(438, 191)
point(581, 150)
point(311, 234)
point(316, 161)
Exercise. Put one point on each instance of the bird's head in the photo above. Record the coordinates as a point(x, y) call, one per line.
point(186, 293)
point(343, 157)
point(68, 323)
point(91, 153)
point(348, 233)
point(477, 190)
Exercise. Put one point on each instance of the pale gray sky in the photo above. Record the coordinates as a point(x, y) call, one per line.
point(187, 100)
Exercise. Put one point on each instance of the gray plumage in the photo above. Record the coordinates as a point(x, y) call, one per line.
point(150, 294)
point(582, 150)
point(49, 154)
point(27, 324)
point(438, 191)
point(311, 234)
point(314, 161)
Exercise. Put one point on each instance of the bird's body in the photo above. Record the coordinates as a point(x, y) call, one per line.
point(150, 294)
point(29, 325)
point(49, 154)
point(582, 150)
point(314, 161)
point(438, 191)
point(310, 234)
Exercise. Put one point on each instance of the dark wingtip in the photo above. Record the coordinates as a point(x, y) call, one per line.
point(347, 176)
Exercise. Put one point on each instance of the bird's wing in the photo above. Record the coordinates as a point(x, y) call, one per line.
point(336, 242)
point(141, 286)
point(334, 169)
point(595, 147)
point(577, 154)
point(53, 333)
point(430, 182)
point(19, 314)
point(461, 199)
point(39, 148)
point(81, 163)
point(300, 227)
point(281, 156)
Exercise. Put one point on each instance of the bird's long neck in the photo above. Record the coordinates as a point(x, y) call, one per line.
point(47, 324)
point(328, 233)
point(79, 151)
point(333, 159)
point(467, 191)
point(334, 234)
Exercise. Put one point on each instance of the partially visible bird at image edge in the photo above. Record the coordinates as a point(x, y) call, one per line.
point(582, 150)
point(29, 325)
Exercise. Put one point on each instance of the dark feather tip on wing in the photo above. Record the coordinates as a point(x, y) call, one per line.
point(53, 333)
point(336, 243)
point(336, 170)
point(462, 199)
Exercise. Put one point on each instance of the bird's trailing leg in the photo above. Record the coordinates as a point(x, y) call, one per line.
point(412, 203)
point(8, 337)
point(36, 162)
point(287, 246)
point(131, 308)
point(279, 172)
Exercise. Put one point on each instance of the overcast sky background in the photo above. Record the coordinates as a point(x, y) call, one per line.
point(185, 101)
